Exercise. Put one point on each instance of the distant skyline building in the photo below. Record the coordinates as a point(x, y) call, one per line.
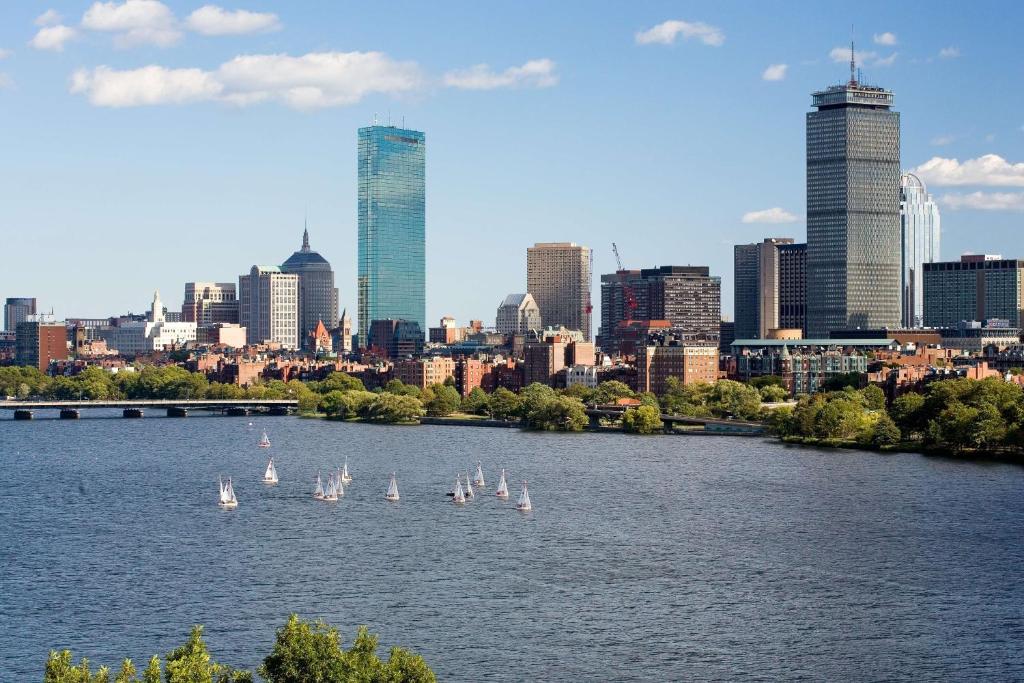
point(318, 297)
point(268, 306)
point(154, 333)
point(16, 310)
point(920, 237)
point(853, 209)
point(391, 279)
point(757, 287)
point(978, 287)
point(558, 277)
point(38, 340)
point(518, 314)
point(793, 287)
point(209, 303)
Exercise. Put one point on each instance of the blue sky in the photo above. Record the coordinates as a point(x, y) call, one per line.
point(147, 144)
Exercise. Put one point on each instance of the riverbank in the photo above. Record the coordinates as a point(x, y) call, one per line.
point(1006, 456)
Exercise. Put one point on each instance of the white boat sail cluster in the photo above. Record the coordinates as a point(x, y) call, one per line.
point(227, 494)
point(392, 492)
point(460, 493)
point(264, 440)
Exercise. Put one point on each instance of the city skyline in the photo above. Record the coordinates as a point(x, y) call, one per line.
point(172, 176)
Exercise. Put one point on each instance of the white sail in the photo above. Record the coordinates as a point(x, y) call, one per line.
point(264, 440)
point(392, 493)
point(231, 492)
point(339, 487)
point(524, 500)
point(227, 494)
point(469, 487)
point(223, 490)
point(318, 492)
point(459, 497)
point(345, 476)
point(270, 476)
point(502, 491)
point(479, 480)
point(332, 489)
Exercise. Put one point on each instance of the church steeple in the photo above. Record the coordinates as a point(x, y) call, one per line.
point(305, 237)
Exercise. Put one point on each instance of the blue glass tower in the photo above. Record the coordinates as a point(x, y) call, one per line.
point(392, 226)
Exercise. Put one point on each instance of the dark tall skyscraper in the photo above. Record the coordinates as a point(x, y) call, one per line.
point(758, 287)
point(318, 298)
point(853, 209)
point(16, 310)
point(392, 226)
point(793, 287)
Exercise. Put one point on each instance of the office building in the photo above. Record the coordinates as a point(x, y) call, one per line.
point(558, 278)
point(919, 234)
point(395, 338)
point(518, 314)
point(318, 298)
point(977, 287)
point(447, 332)
point(268, 306)
point(688, 298)
point(209, 303)
point(17, 310)
point(756, 304)
point(853, 209)
point(687, 362)
point(391, 279)
point(793, 287)
point(38, 340)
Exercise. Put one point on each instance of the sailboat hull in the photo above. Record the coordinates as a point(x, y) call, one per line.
point(229, 505)
point(393, 499)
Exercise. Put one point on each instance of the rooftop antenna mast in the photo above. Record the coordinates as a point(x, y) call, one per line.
point(853, 61)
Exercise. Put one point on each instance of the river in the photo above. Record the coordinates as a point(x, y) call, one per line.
point(644, 558)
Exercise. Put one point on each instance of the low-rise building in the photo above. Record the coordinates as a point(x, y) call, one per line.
point(38, 340)
point(424, 372)
point(687, 362)
point(583, 375)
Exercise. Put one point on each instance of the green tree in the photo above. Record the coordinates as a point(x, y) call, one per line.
point(305, 653)
point(151, 674)
point(445, 401)
point(475, 402)
point(396, 386)
point(642, 420)
point(191, 663)
point(773, 393)
point(686, 399)
point(582, 392)
point(392, 408)
point(60, 668)
point(874, 397)
point(504, 404)
point(346, 404)
point(340, 381)
point(767, 381)
point(612, 390)
point(885, 432)
point(535, 399)
point(556, 413)
point(909, 415)
point(733, 398)
point(781, 422)
point(841, 381)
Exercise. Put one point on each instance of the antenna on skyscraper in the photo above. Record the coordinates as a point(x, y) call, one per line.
point(853, 61)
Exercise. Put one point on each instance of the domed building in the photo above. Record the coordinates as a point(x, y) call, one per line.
point(318, 298)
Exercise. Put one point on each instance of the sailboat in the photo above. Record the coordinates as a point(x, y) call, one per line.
point(227, 495)
point(264, 440)
point(339, 488)
point(459, 496)
point(331, 494)
point(392, 493)
point(469, 487)
point(346, 478)
point(502, 491)
point(523, 504)
point(318, 492)
point(270, 476)
point(478, 481)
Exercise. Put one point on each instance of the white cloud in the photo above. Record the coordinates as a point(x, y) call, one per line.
point(841, 55)
point(775, 72)
point(886, 38)
point(53, 38)
point(950, 52)
point(774, 215)
point(667, 32)
point(211, 20)
point(4, 54)
point(48, 18)
point(940, 140)
point(984, 201)
point(991, 170)
point(134, 22)
point(536, 73)
point(314, 80)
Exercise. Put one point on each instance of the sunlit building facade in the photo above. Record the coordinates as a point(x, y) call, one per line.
point(919, 227)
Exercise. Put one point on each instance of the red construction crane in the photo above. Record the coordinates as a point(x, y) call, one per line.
point(627, 289)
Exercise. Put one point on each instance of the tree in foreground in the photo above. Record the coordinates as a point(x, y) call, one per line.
point(445, 400)
point(642, 420)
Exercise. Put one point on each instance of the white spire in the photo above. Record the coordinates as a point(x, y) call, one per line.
point(157, 310)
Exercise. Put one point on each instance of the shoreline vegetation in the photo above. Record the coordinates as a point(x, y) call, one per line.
point(303, 652)
point(958, 417)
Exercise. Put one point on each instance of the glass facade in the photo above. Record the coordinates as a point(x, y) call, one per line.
point(853, 210)
point(976, 287)
point(392, 226)
point(919, 224)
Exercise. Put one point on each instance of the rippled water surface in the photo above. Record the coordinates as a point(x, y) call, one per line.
point(660, 558)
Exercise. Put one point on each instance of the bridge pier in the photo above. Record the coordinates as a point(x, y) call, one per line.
point(237, 412)
point(278, 410)
point(177, 412)
point(132, 412)
point(69, 414)
point(669, 426)
point(22, 414)
point(595, 421)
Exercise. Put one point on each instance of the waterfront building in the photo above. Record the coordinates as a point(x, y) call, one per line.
point(688, 297)
point(17, 310)
point(558, 278)
point(758, 284)
point(209, 303)
point(395, 338)
point(518, 314)
point(853, 209)
point(268, 305)
point(920, 238)
point(425, 372)
point(318, 297)
point(40, 339)
point(666, 357)
point(392, 226)
point(977, 287)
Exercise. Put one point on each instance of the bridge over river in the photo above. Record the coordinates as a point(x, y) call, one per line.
point(711, 425)
point(135, 408)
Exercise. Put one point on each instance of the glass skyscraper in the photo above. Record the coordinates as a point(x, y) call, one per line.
point(919, 223)
point(853, 210)
point(392, 226)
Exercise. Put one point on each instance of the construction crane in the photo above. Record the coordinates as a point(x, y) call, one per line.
point(627, 289)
